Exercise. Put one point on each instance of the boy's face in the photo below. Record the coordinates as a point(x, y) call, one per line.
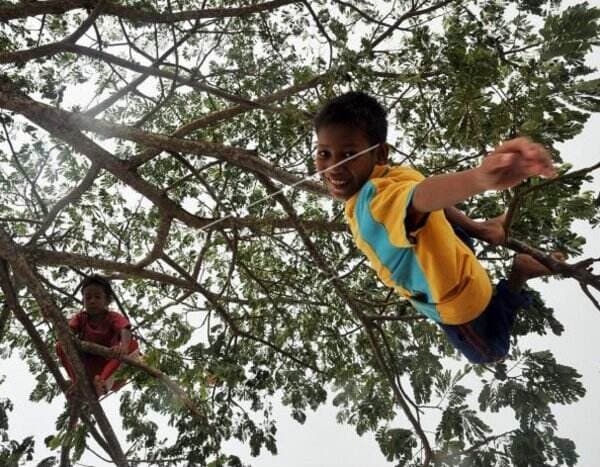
point(338, 142)
point(95, 300)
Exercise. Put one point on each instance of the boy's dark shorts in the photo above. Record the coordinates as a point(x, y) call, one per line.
point(486, 339)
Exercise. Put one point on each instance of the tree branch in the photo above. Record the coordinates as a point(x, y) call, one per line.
point(134, 14)
point(69, 198)
point(579, 271)
point(95, 349)
point(109, 101)
point(159, 242)
point(413, 12)
point(62, 124)
point(513, 209)
point(22, 56)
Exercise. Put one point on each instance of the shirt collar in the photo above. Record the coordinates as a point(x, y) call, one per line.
point(379, 171)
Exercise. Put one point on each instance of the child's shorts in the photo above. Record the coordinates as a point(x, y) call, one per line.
point(486, 339)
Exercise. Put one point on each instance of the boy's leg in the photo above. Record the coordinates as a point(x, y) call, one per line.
point(526, 267)
point(486, 339)
point(490, 230)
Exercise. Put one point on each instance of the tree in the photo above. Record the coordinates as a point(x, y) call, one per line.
point(167, 144)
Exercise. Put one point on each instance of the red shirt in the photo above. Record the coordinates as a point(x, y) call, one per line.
point(106, 332)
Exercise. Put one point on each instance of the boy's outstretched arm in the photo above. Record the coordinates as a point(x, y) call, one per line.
point(509, 164)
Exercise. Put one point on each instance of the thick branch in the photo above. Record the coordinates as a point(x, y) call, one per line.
point(55, 258)
point(4, 321)
point(22, 56)
point(50, 49)
point(62, 124)
point(134, 14)
point(39, 344)
point(580, 271)
point(107, 353)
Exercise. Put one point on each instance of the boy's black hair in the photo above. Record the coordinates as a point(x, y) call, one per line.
point(101, 281)
point(358, 109)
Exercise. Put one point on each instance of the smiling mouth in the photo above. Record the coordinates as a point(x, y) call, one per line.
point(338, 184)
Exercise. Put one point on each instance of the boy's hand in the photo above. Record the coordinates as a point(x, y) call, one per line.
point(512, 162)
point(119, 349)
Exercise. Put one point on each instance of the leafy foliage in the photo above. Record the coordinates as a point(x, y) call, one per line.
point(247, 301)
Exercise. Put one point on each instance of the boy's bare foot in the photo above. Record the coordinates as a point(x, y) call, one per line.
point(526, 267)
point(492, 230)
point(99, 385)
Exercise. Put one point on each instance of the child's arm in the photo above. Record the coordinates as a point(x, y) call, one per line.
point(510, 164)
point(75, 322)
point(123, 347)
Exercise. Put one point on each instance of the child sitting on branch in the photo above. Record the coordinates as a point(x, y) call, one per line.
point(97, 324)
point(415, 239)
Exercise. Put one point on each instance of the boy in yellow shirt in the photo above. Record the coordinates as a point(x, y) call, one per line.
point(414, 238)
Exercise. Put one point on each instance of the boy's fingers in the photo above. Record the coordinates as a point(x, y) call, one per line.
point(504, 159)
point(514, 145)
point(527, 148)
point(540, 161)
point(534, 157)
point(549, 173)
point(524, 156)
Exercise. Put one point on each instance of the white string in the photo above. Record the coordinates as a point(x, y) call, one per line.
point(254, 203)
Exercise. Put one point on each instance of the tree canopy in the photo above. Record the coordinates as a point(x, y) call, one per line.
point(140, 139)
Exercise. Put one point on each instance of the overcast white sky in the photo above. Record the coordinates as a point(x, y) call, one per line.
point(323, 442)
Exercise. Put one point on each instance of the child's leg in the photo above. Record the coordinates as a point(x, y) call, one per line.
point(490, 230)
point(92, 364)
point(526, 267)
point(65, 362)
point(486, 339)
point(105, 377)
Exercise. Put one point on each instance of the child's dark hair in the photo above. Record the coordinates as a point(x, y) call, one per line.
point(358, 109)
point(101, 281)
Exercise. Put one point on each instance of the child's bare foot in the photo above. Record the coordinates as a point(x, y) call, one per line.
point(211, 379)
point(492, 230)
point(99, 385)
point(526, 267)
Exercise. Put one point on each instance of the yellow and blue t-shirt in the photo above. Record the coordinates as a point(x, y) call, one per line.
point(430, 266)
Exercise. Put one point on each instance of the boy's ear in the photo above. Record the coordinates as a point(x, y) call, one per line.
point(383, 152)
